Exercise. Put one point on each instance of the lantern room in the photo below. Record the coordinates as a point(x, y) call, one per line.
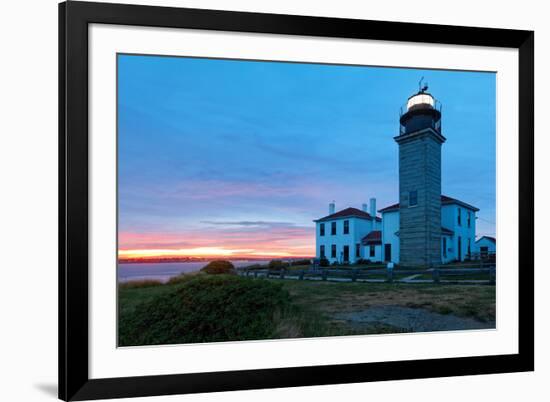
point(422, 111)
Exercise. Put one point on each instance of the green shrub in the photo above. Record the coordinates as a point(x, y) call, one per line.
point(143, 283)
point(362, 261)
point(323, 262)
point(207, 308)
point(253, 266)
point(219, 267)
point(301, 262)
point(277, 264)
point(181, 278)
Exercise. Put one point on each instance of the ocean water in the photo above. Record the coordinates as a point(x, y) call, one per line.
point(165, 270)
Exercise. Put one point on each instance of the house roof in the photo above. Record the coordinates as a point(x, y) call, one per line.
point(448, 200)
point(445, 200)
point(490, 238)
point(389, 208)
point(374, 237)
point(446, 231)
point(348, 213)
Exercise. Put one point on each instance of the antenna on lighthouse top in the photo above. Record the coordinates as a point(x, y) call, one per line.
point(422, 89)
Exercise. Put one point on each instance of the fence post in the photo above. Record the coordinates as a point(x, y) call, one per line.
point(301, 277)
point(492, 274)
point(435, 275)
point(324, 275)
point(354, 275)
point(255, 274)
point(390, 275)
point(282, 274)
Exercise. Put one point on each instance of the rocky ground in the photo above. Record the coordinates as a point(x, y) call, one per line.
point(407, 319)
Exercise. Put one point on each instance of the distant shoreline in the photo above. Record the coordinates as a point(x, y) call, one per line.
point(163, 271)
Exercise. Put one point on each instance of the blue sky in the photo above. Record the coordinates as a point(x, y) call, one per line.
point(243, 155)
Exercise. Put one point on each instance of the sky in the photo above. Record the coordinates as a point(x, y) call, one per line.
point(237, 158)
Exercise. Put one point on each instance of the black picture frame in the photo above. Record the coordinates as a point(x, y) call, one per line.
point(74, 381)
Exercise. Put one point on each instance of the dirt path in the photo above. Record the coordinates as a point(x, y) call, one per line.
point(407, 319)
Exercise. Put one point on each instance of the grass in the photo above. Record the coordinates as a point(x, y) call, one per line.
point(205, 308)
point(456, 277)
point(328, 298)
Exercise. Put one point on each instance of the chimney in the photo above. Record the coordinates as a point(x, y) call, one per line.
point(365, 208)
point(331, 208)
point(373, 207)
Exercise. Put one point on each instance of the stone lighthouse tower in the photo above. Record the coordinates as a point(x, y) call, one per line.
point(420, 141)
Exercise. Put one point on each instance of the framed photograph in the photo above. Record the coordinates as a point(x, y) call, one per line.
point(258, 201)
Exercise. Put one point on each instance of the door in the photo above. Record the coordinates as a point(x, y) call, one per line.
point(387, 252)
point(346, 253)
point(459, 248)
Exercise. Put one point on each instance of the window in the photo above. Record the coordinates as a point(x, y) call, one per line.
point(444, 246)
point(333, 228)
point(358, 250)
point(469, 219)
point(322, 229)
point(372, 251)
point(333, 251)
point(322, 252)
point(459, 217)
point(413, 198)
point(346, 227)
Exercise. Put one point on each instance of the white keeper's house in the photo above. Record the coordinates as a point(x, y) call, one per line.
point(424, 228)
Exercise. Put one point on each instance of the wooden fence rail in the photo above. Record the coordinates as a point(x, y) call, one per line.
point(388, 275)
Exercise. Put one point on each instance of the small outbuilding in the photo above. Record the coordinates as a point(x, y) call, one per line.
point(486, 246)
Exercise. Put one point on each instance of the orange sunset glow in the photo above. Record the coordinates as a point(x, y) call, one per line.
point(211, 252)
point(293, 243)
point(203, 252)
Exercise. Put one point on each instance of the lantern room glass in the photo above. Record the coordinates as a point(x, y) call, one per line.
point(420, 99)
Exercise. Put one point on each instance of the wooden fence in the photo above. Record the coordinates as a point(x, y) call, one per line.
point(436, 275)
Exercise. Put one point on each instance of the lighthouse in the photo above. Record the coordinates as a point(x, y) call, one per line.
point(420, 140)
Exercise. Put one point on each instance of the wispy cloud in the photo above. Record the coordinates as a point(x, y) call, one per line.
point(275, 238)
point(248, 223)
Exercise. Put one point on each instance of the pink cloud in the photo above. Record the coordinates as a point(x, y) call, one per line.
point(293, 240)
